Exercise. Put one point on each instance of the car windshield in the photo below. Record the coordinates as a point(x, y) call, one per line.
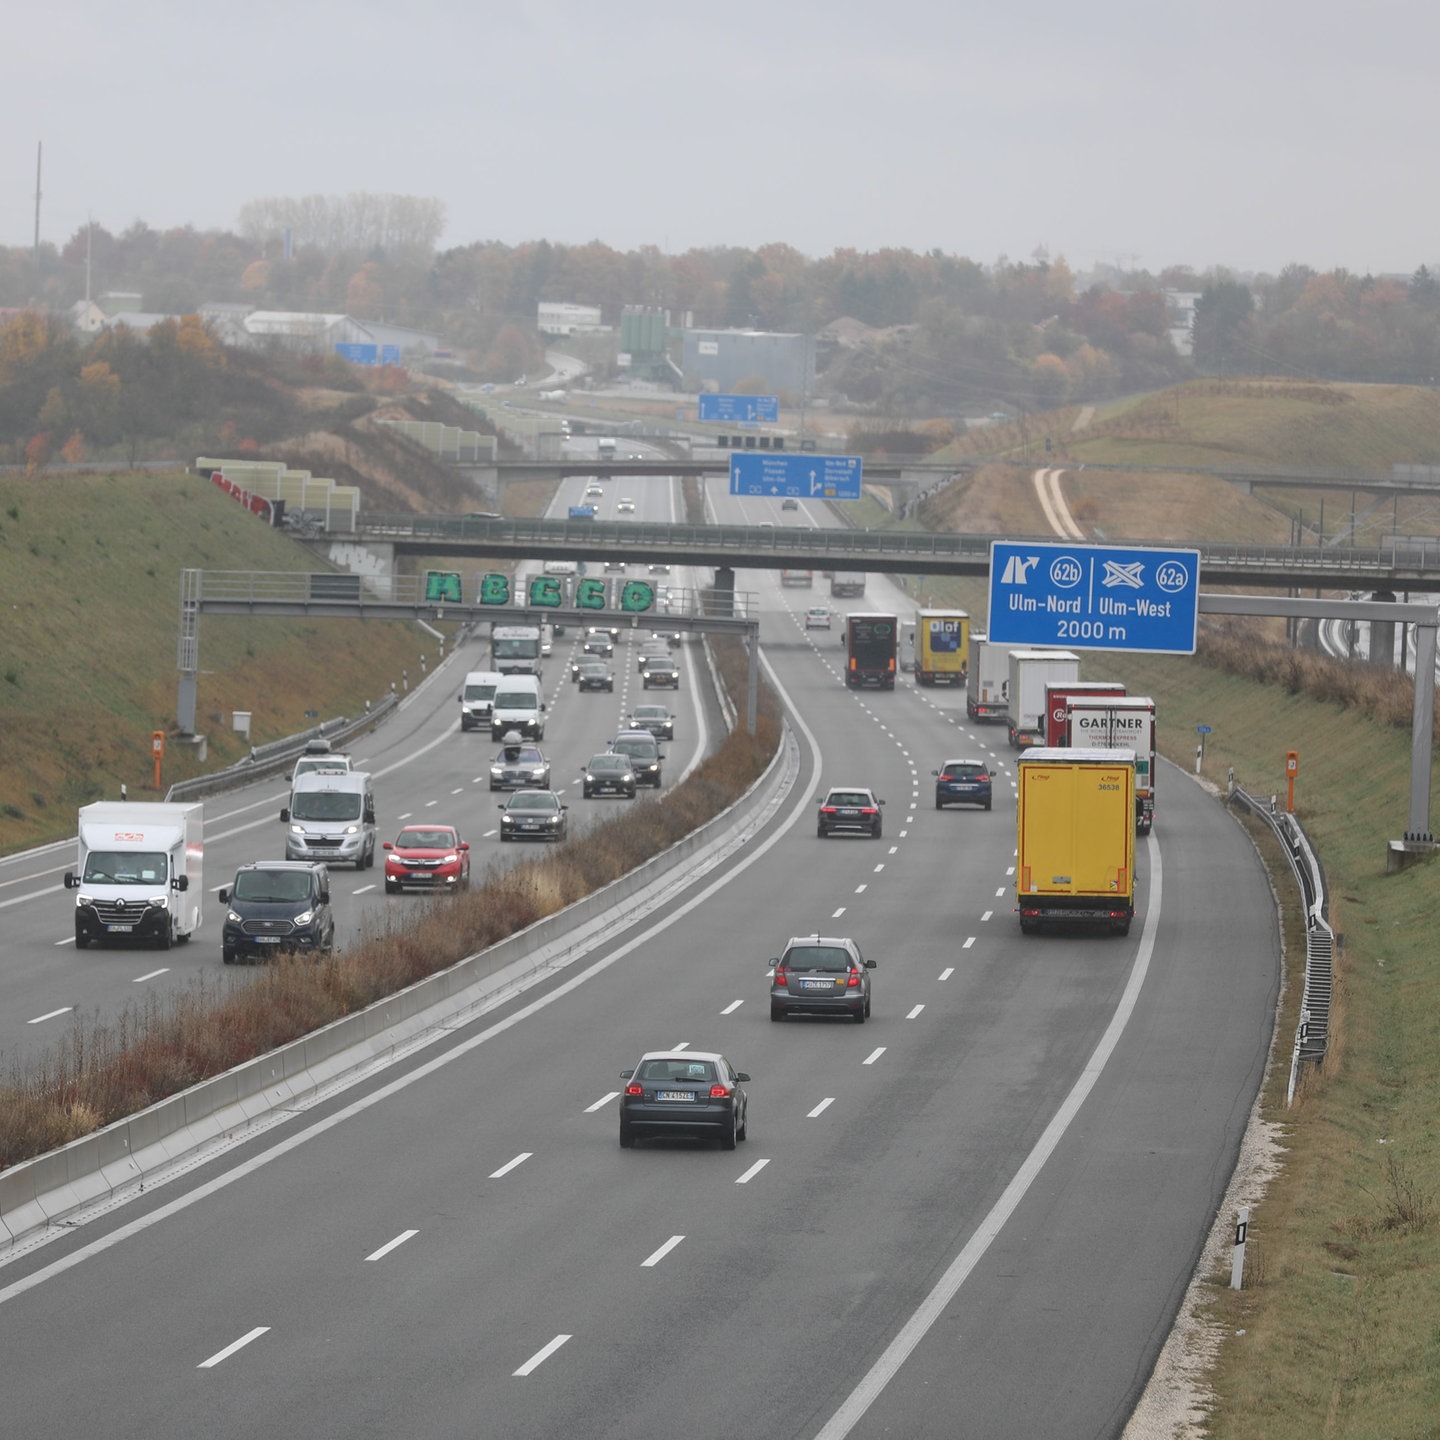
point(480, 692)
point(651, 712)
point(121, 867)
point(319, 764)
point(534, 800)
point(326, 805)
point(817, 957)
point(272, 885)
point(515, 700)
point(678, 1069)
point(637, 748)
point(426, 840)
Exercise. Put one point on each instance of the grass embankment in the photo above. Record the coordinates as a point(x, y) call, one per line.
point(90, 592)
point(105, 1072)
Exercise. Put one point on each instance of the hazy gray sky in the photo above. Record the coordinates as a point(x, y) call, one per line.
point(1225, 133)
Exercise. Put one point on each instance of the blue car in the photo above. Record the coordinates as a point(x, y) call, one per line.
point(963, 782)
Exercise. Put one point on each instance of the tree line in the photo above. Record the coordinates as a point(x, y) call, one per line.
point(937, 333)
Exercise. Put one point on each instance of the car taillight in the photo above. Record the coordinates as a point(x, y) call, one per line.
point(719, 1092)
point(633, 1089)
point(827, 809)
point(854, 979)
point(781, 978)
point(868, 810)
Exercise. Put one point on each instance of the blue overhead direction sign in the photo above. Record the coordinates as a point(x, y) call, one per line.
point(809, 477)
point(740, 409)
point(1093, 597)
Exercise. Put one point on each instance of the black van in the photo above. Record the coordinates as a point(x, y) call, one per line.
point(276, 906)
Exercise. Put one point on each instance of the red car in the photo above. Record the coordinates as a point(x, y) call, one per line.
point(427, 857)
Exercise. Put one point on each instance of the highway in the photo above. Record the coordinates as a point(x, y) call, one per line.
point(424, 768)
point(973, 1215)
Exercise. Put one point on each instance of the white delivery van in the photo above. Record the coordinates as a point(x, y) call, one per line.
point(477, 699)
point(140, 872)
point(331, 818)
point(518, 706)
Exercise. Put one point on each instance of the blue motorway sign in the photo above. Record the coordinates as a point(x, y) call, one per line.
point(740, 409)
point(1094, 597)
point(811, 477)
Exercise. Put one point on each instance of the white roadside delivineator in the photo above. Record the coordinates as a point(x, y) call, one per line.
point(139, 874)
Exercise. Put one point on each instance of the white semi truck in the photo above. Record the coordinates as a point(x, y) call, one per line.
point(139, 874)
point(1030, 672)
point(987, 684)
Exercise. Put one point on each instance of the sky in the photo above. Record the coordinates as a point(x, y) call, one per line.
point(1248, 134)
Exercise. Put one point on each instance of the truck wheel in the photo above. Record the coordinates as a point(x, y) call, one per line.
point(166, 938)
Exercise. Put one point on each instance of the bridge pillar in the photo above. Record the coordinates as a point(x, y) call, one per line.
point(1382, 636)
point(725, 591)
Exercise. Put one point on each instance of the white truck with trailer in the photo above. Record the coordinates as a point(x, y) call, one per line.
point(987, 684)
point(139, 873)
point(1030, 672)
point(1121, 723)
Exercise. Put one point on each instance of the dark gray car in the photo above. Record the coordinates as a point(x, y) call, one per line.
point(274, 907)
point(688, 1094)
point(821, 975)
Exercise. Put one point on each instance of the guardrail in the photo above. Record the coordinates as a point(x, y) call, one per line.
point(278, 755)
point(1312, 1034)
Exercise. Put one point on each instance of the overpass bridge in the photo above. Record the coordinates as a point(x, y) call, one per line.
point(377, 540)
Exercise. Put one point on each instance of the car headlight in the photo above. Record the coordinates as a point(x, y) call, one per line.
point(304, 917)
point(160, 902)
point(297, 830)
point(231, 918)
point(538, 773)
point(83, 899)
point(496, 771)
point(451, 859)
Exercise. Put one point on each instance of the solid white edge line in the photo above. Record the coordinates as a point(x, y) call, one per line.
point(958, 1271)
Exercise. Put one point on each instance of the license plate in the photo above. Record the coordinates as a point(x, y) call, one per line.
point(849, 814)
point(817, 984)
point(120, 929)
point(422, 875)
point(529, 824)
point(266, 939)
point(674, 1095)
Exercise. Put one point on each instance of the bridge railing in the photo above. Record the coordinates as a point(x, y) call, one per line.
point(1312, 1034)
point(595, 536)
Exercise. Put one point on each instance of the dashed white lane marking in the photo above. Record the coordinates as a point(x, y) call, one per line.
point(390, 1245)
point(231, 1348)
point(651, 1261)
point(914, 1011)
point(751, 1173)
point(732, 1007)
point(874, 1055)
point(602, 1102)
point(947, 972)
point(822, 1107)
point(969, 941)
point(510, 1165)
point(542, 1355)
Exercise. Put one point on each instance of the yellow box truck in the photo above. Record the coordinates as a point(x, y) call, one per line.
point(942, 647)
point(1076, 838)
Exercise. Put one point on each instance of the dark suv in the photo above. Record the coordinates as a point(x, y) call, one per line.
point(275, 906)
point(963, 782)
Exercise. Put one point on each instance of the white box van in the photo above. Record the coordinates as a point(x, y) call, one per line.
point(331, 818)
point(477, 699)
point(518, 706)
